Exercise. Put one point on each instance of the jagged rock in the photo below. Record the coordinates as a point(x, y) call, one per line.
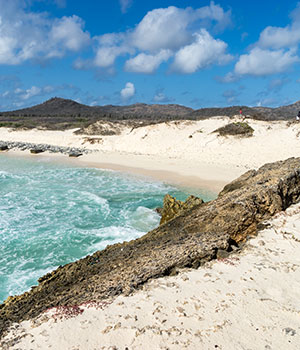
point(173, 207)
point(190, 239)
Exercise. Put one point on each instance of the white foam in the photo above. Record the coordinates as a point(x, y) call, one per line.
point(112, 235)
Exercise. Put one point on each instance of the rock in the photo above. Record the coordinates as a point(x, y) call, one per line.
point(173, 207)
point(37, 150)
point(75, 154)
point(190, 239)
point(3, 148)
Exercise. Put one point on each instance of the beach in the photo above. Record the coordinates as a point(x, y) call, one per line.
point(247, 300)
point(187, 153)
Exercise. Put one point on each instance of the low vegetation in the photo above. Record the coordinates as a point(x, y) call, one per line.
point(236, 129)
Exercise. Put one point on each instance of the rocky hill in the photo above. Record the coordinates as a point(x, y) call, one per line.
point(260, 113)
point(59, 113)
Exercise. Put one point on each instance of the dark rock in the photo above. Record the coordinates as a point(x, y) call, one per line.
point(3, 148)
point(37, 150)
point(188, 240)
point(75, 154)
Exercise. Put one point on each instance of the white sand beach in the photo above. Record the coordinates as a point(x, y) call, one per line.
point(247, 301)
point(187, 153)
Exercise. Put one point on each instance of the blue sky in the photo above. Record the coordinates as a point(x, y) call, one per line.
point(195, 53)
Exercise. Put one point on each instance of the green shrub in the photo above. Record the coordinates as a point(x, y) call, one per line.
point(236, 129)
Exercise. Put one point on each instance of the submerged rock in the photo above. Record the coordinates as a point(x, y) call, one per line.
point(197, 235)
point(173, 207)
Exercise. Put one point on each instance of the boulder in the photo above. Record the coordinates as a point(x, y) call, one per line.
point(173, 207)
point(36, 150)
point(3, 148)
point(75, 154)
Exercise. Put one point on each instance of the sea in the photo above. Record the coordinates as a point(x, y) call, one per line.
point(53, 213)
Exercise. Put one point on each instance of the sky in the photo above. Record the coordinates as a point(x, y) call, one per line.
point(194, 53)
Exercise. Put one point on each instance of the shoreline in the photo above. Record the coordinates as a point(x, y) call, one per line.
point(115, 294)
point(174, 172)
point(186, 153)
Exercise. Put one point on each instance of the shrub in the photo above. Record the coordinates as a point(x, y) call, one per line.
point(236, 129)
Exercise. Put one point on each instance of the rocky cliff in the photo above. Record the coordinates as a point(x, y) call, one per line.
point(205, 232)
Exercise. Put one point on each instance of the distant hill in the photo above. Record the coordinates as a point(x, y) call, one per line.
point(260, 113)
point(59, 113)
point(60, 106)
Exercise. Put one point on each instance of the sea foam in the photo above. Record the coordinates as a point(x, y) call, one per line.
point(51, 214)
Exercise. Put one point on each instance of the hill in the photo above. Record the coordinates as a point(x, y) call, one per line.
point(59, 114)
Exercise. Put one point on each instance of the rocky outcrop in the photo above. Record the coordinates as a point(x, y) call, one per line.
point(189, 240)
point(173, 207)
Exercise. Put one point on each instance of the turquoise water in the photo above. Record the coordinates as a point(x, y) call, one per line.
point(52, 214)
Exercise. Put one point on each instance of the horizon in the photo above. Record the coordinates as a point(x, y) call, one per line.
point(217, 55)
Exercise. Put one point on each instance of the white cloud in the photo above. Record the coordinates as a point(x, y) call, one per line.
point(25, 35)
point(164, 28)
point(205, 50)
point(275, 52)
point(111, 46)
point(128, 91)
point(160, 34)
point(262, 62)
point(68, 33)
point(169, 28)
point(282, 37)
point(125, 4)
point(143, 63)
point(161, 97)
point(33, 91)
point(106, 56)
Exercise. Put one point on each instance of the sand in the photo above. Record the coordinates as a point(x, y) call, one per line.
point(186, 153)
point(247, 301)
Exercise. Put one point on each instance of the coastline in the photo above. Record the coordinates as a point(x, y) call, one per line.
point(184, 153)
point(114, 298)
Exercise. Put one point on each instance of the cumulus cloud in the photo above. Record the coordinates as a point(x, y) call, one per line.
point(26, 35)
point(163, 28)
point(128, 91)
point(159, 35)
point(169, 28)
point(274, 52)
point(68, 33)
point(125, 4)
point(205, 50)
point(143, 63)
point(281, 37)
point(260, 62)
